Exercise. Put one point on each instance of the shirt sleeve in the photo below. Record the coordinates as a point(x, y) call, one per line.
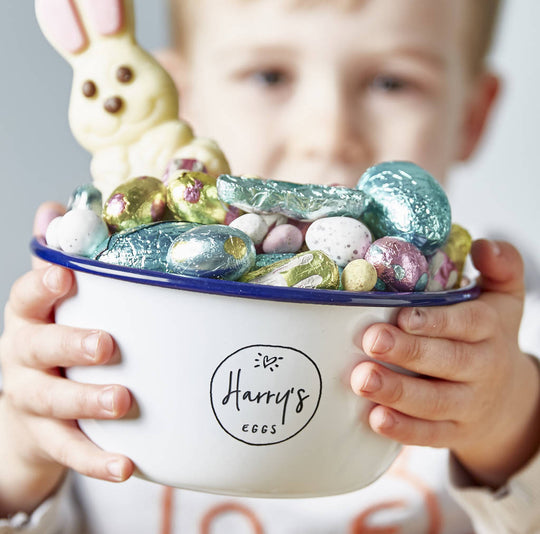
point(57, 515)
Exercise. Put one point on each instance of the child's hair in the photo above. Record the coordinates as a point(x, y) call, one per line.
point(479, 33)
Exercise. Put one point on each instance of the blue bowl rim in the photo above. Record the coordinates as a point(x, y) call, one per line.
point(252, 291)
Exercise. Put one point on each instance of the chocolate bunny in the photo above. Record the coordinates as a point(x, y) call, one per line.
point(124, 106)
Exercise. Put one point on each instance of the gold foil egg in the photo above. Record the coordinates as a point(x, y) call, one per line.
point(458, 247)
point(136, 202)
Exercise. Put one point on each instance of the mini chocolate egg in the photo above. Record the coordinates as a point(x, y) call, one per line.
point(134, 203)
point(442, 272)
point(253, 225)
point(343, 239)
point(399, 264)
point(180, 164)
point(192, 196)
point(88, 197)
point(81, 232)
point(406, 201)
point(144, 247)
point(359, 275)
point(212, 251)
point(310, 270)
point(282, 239)
point(51, 234)
point(304, 202)
point(458, 247)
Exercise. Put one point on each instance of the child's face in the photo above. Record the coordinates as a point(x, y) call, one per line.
point(318, 94)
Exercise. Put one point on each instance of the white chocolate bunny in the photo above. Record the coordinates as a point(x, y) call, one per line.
point(124, 106)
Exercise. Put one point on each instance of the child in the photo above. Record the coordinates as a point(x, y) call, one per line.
point(314, 92)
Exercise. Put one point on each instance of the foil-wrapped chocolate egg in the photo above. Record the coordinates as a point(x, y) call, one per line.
point(136, 202)
point(86, 196)
point(81, 232)
point(212, 251)
point(311, 270)
point(343, 239)
point(399, 264)
point(192, 196)
point(443, 274)
point(458, 247)
point(181, 164)
point(144, 247)
point(405, 201)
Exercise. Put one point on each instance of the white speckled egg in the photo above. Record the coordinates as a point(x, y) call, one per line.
point(81, 231)
point(253, 225)
point(51, 235)
point(343, 239)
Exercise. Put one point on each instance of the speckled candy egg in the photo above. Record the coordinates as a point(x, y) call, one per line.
point(192, 196)
point(359, 275)
point(282, 239)
point(138, 201)
point(81, 232)
point(253, 225)
point(406, 201)
point(212, 251)
point(399, 264)
point(343, 239)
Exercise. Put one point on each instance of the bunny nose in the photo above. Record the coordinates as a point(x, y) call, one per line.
point(113, 104)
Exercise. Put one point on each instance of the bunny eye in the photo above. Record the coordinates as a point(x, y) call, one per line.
point(124, 74)
point(89, 89)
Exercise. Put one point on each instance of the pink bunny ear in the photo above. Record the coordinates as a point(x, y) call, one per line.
point(107, 15)
point(60, 20)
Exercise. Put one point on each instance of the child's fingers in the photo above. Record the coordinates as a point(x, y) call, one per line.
point(68, 446)
point(44, 215)
point(500, 265)
point(467, 321)
point(44, 346)
point(436, 357)
point(434, 400)
point(58, 398)
point(34, 295)
point(410, 430)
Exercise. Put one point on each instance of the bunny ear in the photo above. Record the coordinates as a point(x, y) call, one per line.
point(62, 25)
point(107, 16)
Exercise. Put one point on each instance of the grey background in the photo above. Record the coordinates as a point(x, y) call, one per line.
point(39, 159)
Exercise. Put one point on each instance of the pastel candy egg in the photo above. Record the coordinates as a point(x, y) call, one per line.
point(144, 247)
point(253, 225)
point(443, 273)
point(343, 239)
point(399, 264)
point(135, 202)
point(359, 275)
point(312, 270)
point(282, 239)
point(81, 232)
point(212, 251)
point(88, 197)
point(404, 200)
point(192, 196)
point(51, 234)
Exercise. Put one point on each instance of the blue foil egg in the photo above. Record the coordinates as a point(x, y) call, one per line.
point(404, 200)
point(212, 251)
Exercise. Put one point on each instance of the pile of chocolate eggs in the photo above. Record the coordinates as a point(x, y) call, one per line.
point(393, 232)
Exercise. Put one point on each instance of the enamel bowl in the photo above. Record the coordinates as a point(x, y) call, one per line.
point(239, 389)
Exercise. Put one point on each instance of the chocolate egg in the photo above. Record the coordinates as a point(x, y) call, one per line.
point(343, 239)
point(283, 239)
point(253, 225)
point(88, 197)
point(405, 201)
point(136, 202)
point(212, 251)
point(81, 232)
point(399, 264)
point(359, 275)
point(443, 274)
point(192, 196)
point(458, 247)
point(144, 247)
point(311, 270)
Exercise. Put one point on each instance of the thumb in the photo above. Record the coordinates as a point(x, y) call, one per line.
point(500, 265)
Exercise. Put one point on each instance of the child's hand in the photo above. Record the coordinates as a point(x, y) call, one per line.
point(478, 395)
point(39, 436)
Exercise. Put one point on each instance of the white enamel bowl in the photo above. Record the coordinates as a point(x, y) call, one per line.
point(240, 389)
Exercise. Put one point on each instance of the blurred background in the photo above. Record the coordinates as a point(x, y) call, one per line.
point(39, 159)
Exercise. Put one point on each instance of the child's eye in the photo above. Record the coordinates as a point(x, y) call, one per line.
point(270, 77)
point(389, 83)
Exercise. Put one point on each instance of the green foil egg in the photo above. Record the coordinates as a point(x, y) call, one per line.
point(193, 197)
point(136, 202)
